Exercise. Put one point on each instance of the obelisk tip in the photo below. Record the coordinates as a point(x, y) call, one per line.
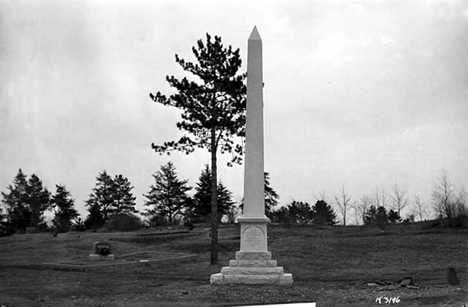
point(254, 35)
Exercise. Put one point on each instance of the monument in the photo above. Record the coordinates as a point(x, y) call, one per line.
point(253, 263)
point(102, 251)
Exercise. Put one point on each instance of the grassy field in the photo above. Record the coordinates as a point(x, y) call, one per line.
point(330, 266)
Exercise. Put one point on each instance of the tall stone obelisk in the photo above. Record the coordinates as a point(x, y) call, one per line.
point(253, 264)
point(254, 194)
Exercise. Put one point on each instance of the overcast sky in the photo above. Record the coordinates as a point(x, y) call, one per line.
point(360, 94)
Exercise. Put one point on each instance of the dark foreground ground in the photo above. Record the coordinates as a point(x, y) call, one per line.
point(330, 265)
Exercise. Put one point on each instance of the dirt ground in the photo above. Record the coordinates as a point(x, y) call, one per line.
point(331, 266)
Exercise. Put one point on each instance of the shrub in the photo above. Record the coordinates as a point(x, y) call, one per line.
point(157, 221)
point(124, 222)
point(381, 218)
point(6, 229)
point(394, 217)
point(78, 224)
point(460, 221)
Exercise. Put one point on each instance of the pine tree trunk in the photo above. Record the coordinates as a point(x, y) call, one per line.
point(214, 200)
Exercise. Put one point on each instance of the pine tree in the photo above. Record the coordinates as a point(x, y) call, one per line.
point(370, 216)
point(381, 218)
point(323, 214)
point(95, 218)
point(281, 215)
point(16, 202)
point(110, 198)
point(64, 208)
point(213, 113)
point(271, 197)
point(38, 200)
point(102, 196)
point(167, 197)
point(225, 202)
point(124, 201)
point(201, 206)
point(300, 212)
point(393, 216)
point(26, 201)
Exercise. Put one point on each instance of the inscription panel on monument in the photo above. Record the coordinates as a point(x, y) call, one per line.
point(253, 238)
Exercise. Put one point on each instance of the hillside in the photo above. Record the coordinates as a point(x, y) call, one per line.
point(333, 266)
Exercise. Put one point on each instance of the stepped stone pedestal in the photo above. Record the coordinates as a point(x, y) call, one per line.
point(253, 263)
point(252, 271)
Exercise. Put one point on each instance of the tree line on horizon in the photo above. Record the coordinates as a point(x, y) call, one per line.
point(448, 203)
point(28, 199)
point(111, 204)
point(166, 202)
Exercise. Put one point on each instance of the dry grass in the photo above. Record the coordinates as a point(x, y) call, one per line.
point(330, 265)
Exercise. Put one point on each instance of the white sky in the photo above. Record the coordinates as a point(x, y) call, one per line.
point(357, 93)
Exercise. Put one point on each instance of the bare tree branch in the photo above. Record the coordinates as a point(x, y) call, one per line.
point(399, 198)
point(343, 201)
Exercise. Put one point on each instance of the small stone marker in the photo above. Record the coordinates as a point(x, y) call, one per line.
point(102, 251)
point(102, 248)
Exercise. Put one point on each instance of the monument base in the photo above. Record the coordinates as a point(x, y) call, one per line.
point(252, 268)
point(98, 257)
point(253, 263)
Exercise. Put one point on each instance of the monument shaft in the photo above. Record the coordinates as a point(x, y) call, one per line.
point(254, 199)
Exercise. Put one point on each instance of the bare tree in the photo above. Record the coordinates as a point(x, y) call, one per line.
point(383, 198)
point(419, 206)
point(399, 198)
point(460, 202)
point(361, 207)
point(380, 198)
point(443, 197)
point(356, 214)
point(343, 201)
point(321, 196)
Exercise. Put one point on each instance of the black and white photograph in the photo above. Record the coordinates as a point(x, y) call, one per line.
point(233, 153)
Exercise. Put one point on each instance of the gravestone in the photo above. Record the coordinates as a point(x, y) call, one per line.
point(102, 251)
point(253, 263)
